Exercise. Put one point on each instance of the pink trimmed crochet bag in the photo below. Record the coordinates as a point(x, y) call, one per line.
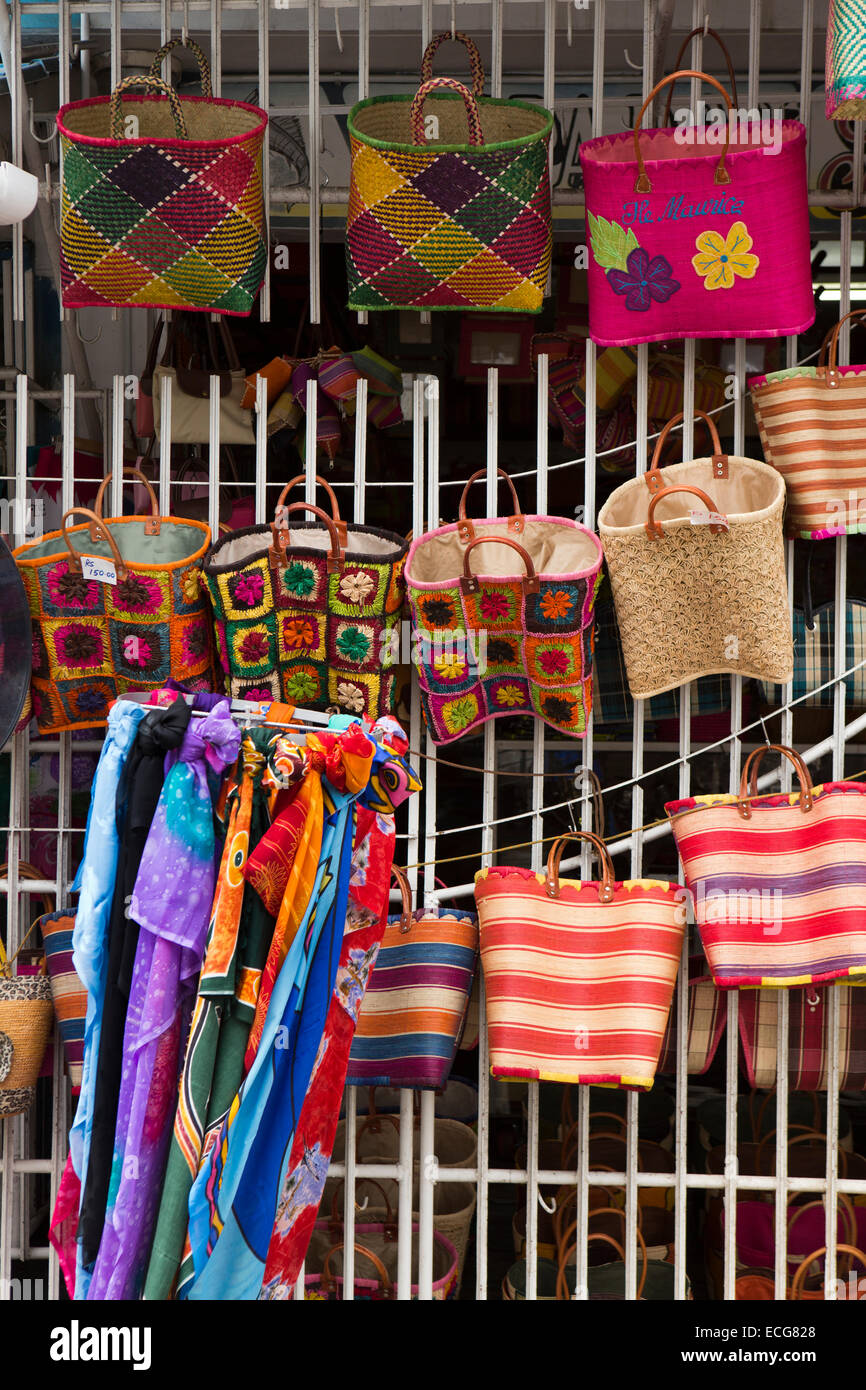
point(492, 637)
point(690, 240)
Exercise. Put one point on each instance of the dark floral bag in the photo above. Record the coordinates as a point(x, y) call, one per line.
point(309, 613)
point(116, 605)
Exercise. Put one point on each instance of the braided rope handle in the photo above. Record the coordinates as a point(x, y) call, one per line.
point(416, 110)
point(153, 84)
point(476, 67)
point(203, 64)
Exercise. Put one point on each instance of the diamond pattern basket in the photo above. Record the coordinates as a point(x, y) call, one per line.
point(172, 217)
point(459, 223)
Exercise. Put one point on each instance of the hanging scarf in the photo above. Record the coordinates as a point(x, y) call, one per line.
point(95, 883)
point(137, 800)
point(171, 902)
point(366, 919)
point(233, 1201)
point(239, 934)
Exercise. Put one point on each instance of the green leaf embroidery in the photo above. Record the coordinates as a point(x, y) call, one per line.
point(611, 244)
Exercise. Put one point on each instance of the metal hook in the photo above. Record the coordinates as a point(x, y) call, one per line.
point(764, 727)
point(362, 1206)
point(543, 1203)
point(337, 32)
point(635, 67)
point(40, 139)
point(80, 335)
point(814, 1001)
point(184, 33)
point(454, 19)
point(568, 27)
point(706, 25)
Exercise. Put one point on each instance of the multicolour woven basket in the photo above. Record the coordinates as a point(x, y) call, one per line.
point(95, 638)
point(308, 614)
point(846, 61)
point(171, 217)
point(455, 223)
point(495, 637)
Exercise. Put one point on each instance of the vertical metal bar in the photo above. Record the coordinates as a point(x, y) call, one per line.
point(165, 410)
point(261, 416)
point(214, 459)
point(115, 457)
point(216, 58)
point(311, 442)
point(15, 80)
point(361, 452)
point(264, 102)
point(405, 1192)
point(349, 1197)
point(313, 154)
point(496, 17)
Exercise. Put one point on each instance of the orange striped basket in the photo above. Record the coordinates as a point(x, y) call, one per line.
point(811, 425)
point(579, 976)
point(779, 881)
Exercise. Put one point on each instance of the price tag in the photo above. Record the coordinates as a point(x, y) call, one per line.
point(699, 518)
point(94, 567)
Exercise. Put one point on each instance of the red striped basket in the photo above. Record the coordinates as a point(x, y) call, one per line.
point(779, 881)
point(579, 976)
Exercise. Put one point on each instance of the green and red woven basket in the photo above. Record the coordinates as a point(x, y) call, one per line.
point(172, 216)
point(456, 223)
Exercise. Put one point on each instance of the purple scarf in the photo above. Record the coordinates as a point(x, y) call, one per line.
point(171, 902)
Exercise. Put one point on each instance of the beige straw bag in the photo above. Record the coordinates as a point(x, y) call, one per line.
point(26, 1016)
point(699, 592)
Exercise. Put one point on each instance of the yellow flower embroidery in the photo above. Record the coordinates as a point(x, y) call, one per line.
point(191, 585)
point(510, 695)
point(720, 259)
point(450, 667)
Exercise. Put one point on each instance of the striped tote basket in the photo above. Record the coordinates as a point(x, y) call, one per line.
point(779, 881)
point(415, 1007)
point(579, 976)
point(846, 61)
point(811, 425)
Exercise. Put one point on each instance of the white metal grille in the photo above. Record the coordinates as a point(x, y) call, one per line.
point(564, 42)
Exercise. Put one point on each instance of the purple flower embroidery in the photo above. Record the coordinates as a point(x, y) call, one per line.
point(645, 279)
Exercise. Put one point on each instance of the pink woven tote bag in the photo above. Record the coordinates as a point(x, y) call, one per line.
point(779, 881)
point(578, 976)
point(688, 240)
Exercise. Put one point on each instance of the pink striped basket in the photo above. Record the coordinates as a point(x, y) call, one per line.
point(779, 881)
point(690, 240)
point(579, 976)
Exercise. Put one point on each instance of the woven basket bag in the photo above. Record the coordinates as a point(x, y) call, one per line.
point(461, 221)
point(779, 880)
point(498, 635)
point(308, 614)
point(413, 1012)
point(699, 592)
point(579, 977)
point(845, 79)
point(811, 425)
point(26, 1017)
point(171, 217)
point(128, 624)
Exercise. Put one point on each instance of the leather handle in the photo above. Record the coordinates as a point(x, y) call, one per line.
point(830, 347)
point(152, 522)
point(713, 34)
point(655, 530)
point(476, 67)
point(323, 483)
point(551, 884)
point(465, 529)
point(847, 1211)
point(416, 110)
point(389, 1220)
point(642, 183)
point(278, 548)
point(561, 1280)
point(329, 1283)
point(804, 1137)
point(800, 1276)
point(469, 584)
point(402, 882)
point(749, 777)
point(97, 526)
point(653, 477)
